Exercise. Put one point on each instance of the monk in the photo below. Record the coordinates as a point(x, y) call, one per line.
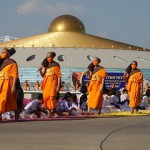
point(76, 87)
point(26, 86)
point(134, 80)
point(37, 86)
point(62, 86)
point(8, 79)
point(147, 87)
point(51, 73)
point(96, 85)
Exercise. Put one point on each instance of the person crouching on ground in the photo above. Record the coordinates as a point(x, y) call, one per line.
point(106, 102)
point(64, 106)
point(74, 109)
point(114, 100)
point(124, 100)
point(35, 107)
point(83, 104)
point(145, 104)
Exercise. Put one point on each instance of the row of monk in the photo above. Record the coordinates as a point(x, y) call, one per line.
point(37, 86)
point(51, 73)
point(71, 105)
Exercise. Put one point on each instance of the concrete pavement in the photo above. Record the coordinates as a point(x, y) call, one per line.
point(119, 133)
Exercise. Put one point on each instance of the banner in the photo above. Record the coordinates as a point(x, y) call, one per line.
point(116, 78)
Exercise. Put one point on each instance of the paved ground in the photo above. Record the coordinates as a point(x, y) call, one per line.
point(124, 133)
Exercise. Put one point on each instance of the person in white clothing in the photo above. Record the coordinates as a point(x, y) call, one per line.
point(83, 103)
point(115, 101)
point(65, 104)
point(124, 100)
point(106, 107)
point(69, 105)
point(145, 104)
point(74, 109)
point(34, 107)
point(83, 91)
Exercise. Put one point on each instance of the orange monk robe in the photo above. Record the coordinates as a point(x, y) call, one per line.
point(76, 86)
point(37, 86)
point(134, 89)
point(26, 86)
point(95, 99)
point(62, 88)
point(146, 87)
point(8, 101)
point(49, 86)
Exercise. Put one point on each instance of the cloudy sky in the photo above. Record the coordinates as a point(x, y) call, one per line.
point(123, 20)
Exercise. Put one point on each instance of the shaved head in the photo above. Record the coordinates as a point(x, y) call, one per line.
point(98, 59)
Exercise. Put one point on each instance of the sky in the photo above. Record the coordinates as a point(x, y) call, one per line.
point(122, 20)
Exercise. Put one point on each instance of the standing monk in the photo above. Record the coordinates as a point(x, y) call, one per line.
point(8, 78)
point(51, 73)
point(134, 79)
point(95, 87)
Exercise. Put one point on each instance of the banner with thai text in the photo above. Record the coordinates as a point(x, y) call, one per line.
point(116, 78)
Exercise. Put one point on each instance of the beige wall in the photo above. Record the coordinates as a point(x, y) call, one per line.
point(78, 57)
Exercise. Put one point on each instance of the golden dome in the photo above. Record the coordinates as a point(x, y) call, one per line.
point(66, 23)
point(67, 31)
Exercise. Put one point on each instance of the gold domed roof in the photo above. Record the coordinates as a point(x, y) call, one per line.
point(67, 31)
point(66, 23)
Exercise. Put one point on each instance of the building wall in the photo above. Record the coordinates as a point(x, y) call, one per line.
point(77, 58)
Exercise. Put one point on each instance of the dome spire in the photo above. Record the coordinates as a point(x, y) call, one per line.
point(66, 23)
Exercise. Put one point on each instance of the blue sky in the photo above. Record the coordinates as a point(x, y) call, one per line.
point(123, 20)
